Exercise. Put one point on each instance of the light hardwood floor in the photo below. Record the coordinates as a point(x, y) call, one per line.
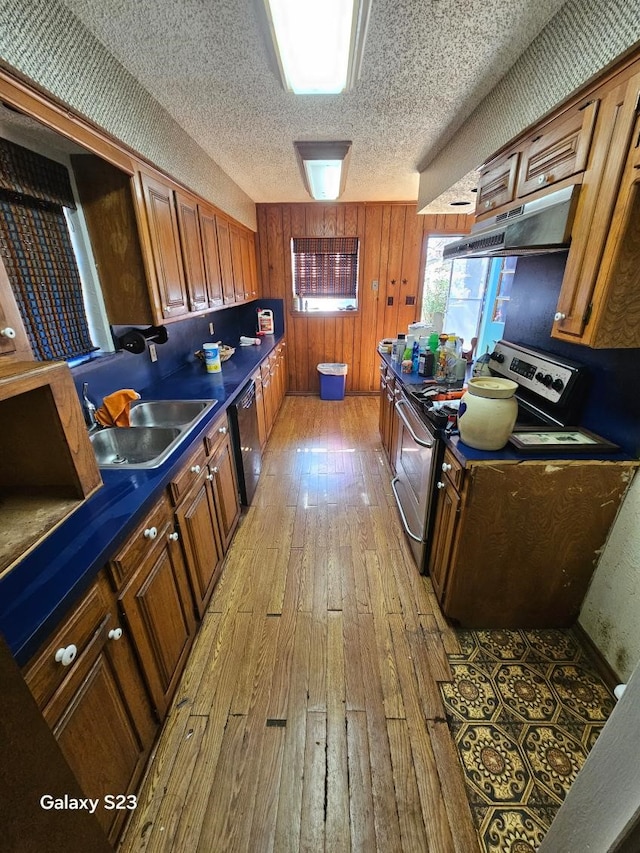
point(309, 716)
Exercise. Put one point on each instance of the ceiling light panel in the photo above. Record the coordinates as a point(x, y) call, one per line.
point(318, 43)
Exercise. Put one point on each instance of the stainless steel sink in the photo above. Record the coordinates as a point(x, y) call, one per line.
point(139, 447)
point(167, 413)
point(156, 428)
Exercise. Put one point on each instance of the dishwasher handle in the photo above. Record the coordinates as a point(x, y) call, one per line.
point(405, 524)
point(412, 432)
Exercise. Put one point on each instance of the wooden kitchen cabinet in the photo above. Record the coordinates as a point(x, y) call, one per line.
point(155, 600)
point(193, 255)
point(262, 430)
point(515, 543)
point(223, 230)
point(222, 476)
point(497, 183)
point(209, 234)
point(14, 343)
point(94, 701)
point(389, 392)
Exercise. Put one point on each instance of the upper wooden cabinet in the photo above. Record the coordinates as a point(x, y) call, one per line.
point(497, 183)
point(161, 252)
point(14, 343)
point(193, 256)
point(559, 150)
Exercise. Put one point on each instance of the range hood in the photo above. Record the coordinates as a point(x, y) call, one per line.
point(535, 228)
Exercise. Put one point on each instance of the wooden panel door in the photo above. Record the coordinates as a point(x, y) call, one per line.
point(201, 540)
point(236, 263)
point(158, 609)
point(226, 265)
point(497, 183)
point(165, 247)
point(560, 150)
point(443, 536)
point(192, 252)
point(211, 256)
point(225, 490)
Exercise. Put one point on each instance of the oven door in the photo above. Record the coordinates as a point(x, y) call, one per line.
point(418, 455)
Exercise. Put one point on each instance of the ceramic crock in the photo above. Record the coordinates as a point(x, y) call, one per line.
point(488, 412)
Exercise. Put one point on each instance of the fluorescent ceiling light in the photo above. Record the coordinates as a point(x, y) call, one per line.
point(318, 43)
point(323, 166)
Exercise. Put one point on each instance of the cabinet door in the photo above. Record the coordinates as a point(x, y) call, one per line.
point(236, 263)
point(192, 252)
point(225, 490)
point(497, 183)
point(101, 716)
point(157, 606)
point(253, 267)
point(211, 256)
point(13, 338)
point(226, 265)
point(443, 537)
point(246, 248)
point(201, 540)
point(165, 246)
point(584, 290)
point(560, 150)
point(262, 431)
point(267, 396)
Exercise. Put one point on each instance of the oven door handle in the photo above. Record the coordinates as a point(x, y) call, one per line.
point(404, 420)
point(401, 511)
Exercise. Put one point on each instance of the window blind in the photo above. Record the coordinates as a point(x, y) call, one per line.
point(325, 266)
point(37, 252)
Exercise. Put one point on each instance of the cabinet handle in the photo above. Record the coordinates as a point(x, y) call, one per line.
point(488, 204)
point(558, 316)
point(222, 430)
point(66, 655)
point(210, 477)
point(115, 633)
point(151, 533)
point(544, 179)
point(174, 536)
point(440, 485)
point(195, 469)
point(215, 469)
point(8, 332)
point(447, 466)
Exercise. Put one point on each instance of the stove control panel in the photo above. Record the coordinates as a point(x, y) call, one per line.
point(541, 374)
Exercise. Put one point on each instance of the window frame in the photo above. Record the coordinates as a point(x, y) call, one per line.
point(327, 312)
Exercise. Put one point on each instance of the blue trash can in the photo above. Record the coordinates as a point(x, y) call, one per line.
point(333, 378)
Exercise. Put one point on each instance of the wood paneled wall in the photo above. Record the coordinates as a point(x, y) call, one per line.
point(392, 252)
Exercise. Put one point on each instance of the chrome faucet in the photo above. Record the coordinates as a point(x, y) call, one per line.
point(89, 410)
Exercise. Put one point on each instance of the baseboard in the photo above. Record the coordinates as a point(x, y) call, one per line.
point(600, 663)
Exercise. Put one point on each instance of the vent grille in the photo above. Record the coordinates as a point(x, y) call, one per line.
point(517, 211)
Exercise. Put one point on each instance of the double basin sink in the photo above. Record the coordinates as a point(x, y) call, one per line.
point(156, 428)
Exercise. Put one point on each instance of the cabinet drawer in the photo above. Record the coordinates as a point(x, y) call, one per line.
point(183, 481)
point(44, 674)
point(453, 470)
point(139, 543)
point(216, 433)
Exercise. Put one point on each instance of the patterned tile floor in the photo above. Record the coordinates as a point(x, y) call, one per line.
point(524, 709)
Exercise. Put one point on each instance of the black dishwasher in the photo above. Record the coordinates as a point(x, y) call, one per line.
point(246, 441)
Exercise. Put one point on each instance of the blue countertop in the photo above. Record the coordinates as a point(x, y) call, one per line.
point(469, 455)
point(42, 588)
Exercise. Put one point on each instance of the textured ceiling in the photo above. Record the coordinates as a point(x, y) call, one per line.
point(427, 64)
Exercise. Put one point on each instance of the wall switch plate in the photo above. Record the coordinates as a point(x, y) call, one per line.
point(375, 284)
point(153, 355)
point(211, 328)
point(389, 300)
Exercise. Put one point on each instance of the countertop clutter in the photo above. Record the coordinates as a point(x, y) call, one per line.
point(35, 595)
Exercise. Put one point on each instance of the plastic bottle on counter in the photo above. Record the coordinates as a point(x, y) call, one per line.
point(451, 358)
point(407, 359)
point(415, 356)
point(212, 358)
point(397, 349)
point(433, 342)
point(441, 359)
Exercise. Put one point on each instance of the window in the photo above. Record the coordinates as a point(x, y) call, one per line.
point(44, 250)
point(325, 273)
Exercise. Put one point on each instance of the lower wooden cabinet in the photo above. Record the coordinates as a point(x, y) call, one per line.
point(222, 477)
point(89, 688)
point(271, 386)
point(515, 543)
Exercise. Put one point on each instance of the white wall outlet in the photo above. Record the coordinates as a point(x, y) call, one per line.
point(210, 328)
point(153, 355)
point(374, 284)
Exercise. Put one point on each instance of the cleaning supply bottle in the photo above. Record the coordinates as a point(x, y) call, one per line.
point(441, 359)
point(415, 356)
point(407, 359)
point(265, 321)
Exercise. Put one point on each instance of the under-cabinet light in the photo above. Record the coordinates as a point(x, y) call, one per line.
point(318, 43)
point(323, 166)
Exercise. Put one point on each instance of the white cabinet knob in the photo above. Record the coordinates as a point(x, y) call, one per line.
point(8, 332)
point(66, 655)
point(195, 469)
point(151, 533)
point(215, 470)
point(115, 633)
point(446, 466)
point(440, 485)
point(559, 316)
point(222, 430)
point(209, 477)
point(174, 536)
